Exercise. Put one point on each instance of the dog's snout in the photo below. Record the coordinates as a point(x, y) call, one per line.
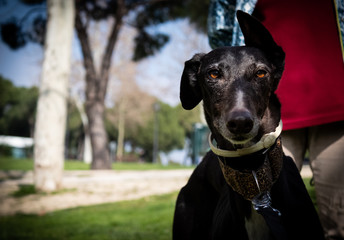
point(240, 122)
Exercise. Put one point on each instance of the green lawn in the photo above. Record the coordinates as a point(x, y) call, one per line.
point(148, 218)
point(7, 163)
point(144, 219)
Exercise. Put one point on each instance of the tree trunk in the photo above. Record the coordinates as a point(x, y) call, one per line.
point(96, 86)
point(121, 131)
point(52, 103)
point(99, 140)
point(87, 146)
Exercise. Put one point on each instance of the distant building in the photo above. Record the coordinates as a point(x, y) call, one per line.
point(17, 147)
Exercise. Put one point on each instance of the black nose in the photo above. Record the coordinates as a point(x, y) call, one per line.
point(240, 122)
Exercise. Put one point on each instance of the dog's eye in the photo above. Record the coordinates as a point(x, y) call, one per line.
point(261, 73)
point(214, 74)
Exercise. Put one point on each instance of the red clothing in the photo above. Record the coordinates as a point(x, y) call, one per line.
point(312, 87)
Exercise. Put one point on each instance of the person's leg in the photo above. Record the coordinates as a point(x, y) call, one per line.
point(294, 143)
point(326, 146)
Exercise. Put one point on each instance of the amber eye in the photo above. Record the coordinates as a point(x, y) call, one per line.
point(261, 73)
point(214, 74)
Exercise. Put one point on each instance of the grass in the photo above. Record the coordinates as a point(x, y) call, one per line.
point(8, 163)
point(147, 218)
point(311, 191)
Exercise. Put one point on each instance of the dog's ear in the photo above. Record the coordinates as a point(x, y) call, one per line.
point(190, 92)
point(256, 35)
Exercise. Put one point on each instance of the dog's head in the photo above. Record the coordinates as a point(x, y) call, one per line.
point(237, 86)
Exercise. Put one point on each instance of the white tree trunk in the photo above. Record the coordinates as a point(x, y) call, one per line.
point(52, 108)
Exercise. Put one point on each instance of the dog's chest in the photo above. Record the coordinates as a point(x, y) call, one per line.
point(256, 227)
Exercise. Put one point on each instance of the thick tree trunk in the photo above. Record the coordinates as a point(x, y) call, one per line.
point(99, 140)
point(52, 103)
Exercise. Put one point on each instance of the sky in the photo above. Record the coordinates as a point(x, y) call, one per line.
point(159, 74)
point(22, 66)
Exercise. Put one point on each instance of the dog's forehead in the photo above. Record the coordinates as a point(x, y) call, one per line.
point(234, 56)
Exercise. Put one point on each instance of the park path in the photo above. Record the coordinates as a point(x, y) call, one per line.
point(84, 188)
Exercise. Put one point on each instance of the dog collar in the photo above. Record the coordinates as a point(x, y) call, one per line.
point(265, 142)
point(251, 184)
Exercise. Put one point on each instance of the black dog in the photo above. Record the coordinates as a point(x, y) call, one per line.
point(245, 188)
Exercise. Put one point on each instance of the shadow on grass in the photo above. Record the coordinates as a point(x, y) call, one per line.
point(29, 189)
point(24, 190)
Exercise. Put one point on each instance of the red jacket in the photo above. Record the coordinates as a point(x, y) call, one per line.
point(312, 87)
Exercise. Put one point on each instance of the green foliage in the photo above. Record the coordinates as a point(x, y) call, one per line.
point(171, 134)
point(17, 109)
point(187, 118)
point(195, 10)
point(75, 131)
point(174, 123)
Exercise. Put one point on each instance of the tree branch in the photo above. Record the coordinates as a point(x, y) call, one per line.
point(88, 58)
point(106, 61)
point(84, 42)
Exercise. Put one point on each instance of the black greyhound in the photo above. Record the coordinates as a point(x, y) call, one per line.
point(245, 188)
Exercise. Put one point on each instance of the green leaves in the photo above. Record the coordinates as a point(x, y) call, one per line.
point(17, 109)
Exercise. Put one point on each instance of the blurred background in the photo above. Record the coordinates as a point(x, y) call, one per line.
point(143, 118)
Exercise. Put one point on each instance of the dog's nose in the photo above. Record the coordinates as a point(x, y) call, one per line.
point(240, 122)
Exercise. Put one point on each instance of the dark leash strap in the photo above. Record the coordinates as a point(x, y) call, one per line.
point(273, 220)
point(272, 217)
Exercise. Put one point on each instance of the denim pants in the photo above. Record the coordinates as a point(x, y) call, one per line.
point(325, 144)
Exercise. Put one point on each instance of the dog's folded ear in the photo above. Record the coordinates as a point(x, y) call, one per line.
point(190, 92)
point(256, 35)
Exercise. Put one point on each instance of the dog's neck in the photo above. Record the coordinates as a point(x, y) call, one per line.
point(253, 175)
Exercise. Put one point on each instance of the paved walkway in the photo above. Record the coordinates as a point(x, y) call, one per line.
point(91, 187)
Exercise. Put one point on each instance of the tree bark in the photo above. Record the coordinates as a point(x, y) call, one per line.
point(96, 86)
point(121, 131)
point(99, 139)
point(52, 103)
